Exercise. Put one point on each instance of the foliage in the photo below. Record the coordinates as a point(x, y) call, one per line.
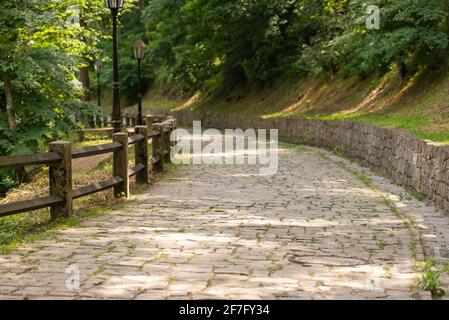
point(410, 31)
point(199, 42)
point(431, 280)
point(40, 56)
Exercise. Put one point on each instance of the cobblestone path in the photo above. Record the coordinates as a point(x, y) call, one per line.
point(321, 228)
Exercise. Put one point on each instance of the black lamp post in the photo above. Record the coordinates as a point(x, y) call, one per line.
point(115, 6)
point(97, 67)
point(139, 53)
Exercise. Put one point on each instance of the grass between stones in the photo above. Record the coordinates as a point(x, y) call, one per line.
point(431, 278)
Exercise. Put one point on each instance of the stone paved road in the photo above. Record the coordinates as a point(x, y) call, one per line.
point(322, 228)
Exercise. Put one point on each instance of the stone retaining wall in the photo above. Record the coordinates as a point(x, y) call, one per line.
point(419, 164)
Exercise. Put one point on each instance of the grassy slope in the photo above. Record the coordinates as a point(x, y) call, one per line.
point(418, 104)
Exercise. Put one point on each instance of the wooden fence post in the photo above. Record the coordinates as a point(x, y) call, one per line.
point(149, 124)
point(120, 165)
point(170, 132)
point(175, 126)
point(166, 140)
point(172, 128)
point(157, 148)
point(141, 153)
point(149, 118)
point(60, 176)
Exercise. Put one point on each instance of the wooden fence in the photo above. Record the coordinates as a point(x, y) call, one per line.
point(59, 159)
point(103, 125)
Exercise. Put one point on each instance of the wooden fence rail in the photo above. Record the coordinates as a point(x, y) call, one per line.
point(60, 156)
point(128, 121)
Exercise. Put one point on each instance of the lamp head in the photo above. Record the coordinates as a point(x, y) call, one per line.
point(114, 4)
point(97, 66)
point(139, 49)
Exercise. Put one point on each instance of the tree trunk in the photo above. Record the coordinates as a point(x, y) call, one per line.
point(20, 172)
point(402, 69)
point(9, 103)
point(84, 78)
point(84, 71)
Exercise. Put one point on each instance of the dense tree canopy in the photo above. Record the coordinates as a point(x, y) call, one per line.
point(41, 53)
point(202, 42)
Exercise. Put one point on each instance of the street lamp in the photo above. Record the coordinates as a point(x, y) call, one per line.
point(139, 54)
point(114, 6)
point(97, 67)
